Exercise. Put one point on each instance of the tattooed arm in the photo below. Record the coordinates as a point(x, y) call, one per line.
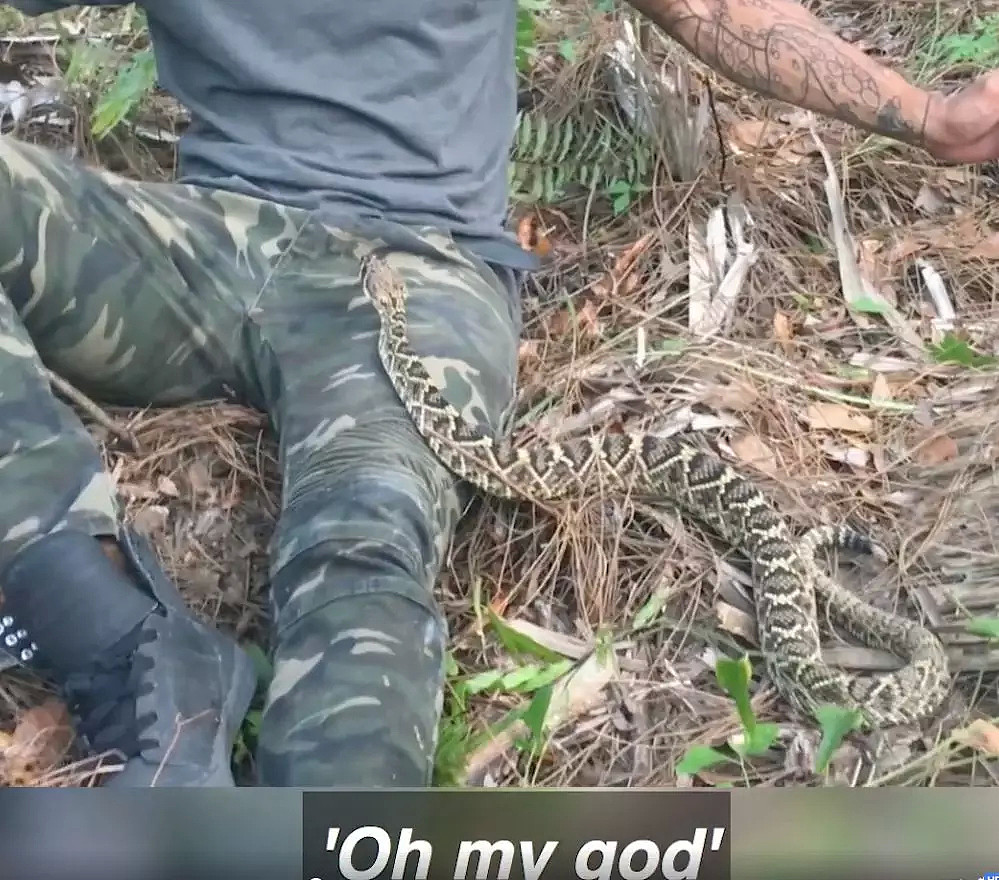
point(779, 49)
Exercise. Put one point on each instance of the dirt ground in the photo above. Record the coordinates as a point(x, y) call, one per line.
point(846, 365)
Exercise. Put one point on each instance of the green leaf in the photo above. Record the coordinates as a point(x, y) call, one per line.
point(518, 644)
point(755, 742)
point(762, 738)
point(251, 724)
point(649, 611)
point(698, 758)
point(734, 676)
point(261, 663)
point(522, 680)
point(482, 681)
point(535, 714)
point(531, 678)
point(567, 49)
point(987, 627)
point(869, 305)
point(953, 350)
point(131, 85)
point(836, 722)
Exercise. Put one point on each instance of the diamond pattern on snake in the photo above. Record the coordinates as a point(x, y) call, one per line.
point(789, 587)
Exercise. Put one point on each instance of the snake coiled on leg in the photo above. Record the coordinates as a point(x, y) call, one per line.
point(790, 591)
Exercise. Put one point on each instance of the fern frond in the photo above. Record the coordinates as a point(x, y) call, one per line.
point(549, 157)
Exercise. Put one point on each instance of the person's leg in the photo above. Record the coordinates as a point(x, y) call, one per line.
point(124, 290)
point(368, 511)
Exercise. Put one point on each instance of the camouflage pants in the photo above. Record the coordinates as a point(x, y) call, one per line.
point(156, 294)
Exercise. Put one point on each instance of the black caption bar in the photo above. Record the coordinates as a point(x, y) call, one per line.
point(491, 834)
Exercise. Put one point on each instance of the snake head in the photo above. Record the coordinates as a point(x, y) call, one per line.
point(384, 286)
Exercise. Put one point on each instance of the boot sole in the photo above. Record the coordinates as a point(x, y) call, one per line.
point(240, 670)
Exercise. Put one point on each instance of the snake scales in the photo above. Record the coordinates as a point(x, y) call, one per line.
point(789, 585)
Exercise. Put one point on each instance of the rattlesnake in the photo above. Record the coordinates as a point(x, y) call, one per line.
point(788, 582)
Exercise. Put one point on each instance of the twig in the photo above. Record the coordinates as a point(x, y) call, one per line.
point(77, 397)
point(178, 730)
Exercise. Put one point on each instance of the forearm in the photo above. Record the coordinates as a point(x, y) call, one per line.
point(779, 49)
point(41, 7)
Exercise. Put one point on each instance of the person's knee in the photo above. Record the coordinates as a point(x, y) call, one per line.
point(356, 696)
point(379, 504)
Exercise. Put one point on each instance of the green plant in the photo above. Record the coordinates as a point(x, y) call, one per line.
point(249, 731)
point(548, 157)
point(954, 350)
point(978, 47)
point(527, 12)
point(536, 676)
point(131, 84)
point(756, 739)
point(121, 78)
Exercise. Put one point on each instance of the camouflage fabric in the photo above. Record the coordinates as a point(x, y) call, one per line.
point(162, 294)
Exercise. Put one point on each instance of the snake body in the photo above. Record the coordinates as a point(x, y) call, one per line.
point(789, 587)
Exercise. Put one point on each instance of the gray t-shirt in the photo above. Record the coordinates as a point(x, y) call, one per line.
point(398, 110)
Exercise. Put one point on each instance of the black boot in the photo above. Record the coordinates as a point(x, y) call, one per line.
point(140, 674)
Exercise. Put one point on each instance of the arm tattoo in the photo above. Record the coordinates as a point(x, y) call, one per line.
point(777, 49)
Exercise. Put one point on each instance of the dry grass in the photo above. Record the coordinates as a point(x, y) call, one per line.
point(908, 455)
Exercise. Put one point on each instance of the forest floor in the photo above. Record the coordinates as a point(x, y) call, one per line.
point(846, 364)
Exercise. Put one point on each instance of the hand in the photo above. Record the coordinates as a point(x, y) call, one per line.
point(964, 126)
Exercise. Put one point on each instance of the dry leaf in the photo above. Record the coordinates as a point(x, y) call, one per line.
point(625, 262)
point(558, 323)
point(150, 520)
point(739, 623)
point(853, 456)
point(532, 237)
point(756, 134)
point(199, 478)
point(940, 449)
point(736, 395)
point(529, 351)
point(753, 451)
point(987, 248)
point(167, 487)
point(837, 417)
point(930, 200)
point(783, 329)
point(587, 319)
point(880, 389)
point(982, 735)
point(40, 741)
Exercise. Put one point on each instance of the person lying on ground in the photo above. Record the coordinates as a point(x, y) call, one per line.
point(322, 133)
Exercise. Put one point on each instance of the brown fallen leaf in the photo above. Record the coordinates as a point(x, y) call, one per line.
point(987, 248)
point(532, 237)
point(838, 417)
point(529, 351)
point(753, 451)
point(736, 395)
point(40, 741)
point(558, 323)
point(783, 329)
point(588, 321)
point(756, 134)
point(940, 449)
